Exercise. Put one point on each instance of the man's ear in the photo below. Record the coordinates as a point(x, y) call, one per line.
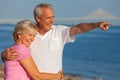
point(37, 19)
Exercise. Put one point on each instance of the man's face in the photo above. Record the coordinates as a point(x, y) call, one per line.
point(47, 18)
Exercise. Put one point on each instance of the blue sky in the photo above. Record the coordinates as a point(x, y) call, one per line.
point(62, 8)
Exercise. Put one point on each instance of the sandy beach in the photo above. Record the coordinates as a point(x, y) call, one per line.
point(1, 72)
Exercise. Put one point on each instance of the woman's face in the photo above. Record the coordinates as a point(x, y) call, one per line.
point(26, 38)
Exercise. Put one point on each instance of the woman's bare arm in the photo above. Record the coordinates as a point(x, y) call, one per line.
point(33, 71)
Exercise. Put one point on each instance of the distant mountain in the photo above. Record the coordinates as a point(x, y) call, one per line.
point(100, 14)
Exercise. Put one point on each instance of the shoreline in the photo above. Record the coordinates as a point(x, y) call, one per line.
point(66, 76)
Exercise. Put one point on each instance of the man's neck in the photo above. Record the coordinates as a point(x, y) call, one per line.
point(43, 30)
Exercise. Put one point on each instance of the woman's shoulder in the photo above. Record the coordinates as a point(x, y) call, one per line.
point(19, 47)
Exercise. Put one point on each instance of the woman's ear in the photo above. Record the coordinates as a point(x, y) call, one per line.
point(18, 35)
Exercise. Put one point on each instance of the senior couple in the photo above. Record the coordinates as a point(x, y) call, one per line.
point(37, 52)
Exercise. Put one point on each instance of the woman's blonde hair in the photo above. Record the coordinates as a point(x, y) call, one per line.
point(24, 26)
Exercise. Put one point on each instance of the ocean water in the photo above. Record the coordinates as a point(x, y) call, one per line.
point(95, 54)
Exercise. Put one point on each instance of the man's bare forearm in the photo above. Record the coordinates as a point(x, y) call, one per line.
point(8, 54)
point(85, 27)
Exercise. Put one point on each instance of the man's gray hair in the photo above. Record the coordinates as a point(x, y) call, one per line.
point(37, 10)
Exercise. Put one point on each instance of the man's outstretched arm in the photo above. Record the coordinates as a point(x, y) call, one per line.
point(85, 27)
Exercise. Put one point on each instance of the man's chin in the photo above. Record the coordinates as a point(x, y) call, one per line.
point(49, 28)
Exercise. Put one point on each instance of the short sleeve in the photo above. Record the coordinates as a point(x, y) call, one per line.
point(22, 51)
point(66, 34)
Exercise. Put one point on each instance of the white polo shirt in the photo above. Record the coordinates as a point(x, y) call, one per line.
point(47, 49)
